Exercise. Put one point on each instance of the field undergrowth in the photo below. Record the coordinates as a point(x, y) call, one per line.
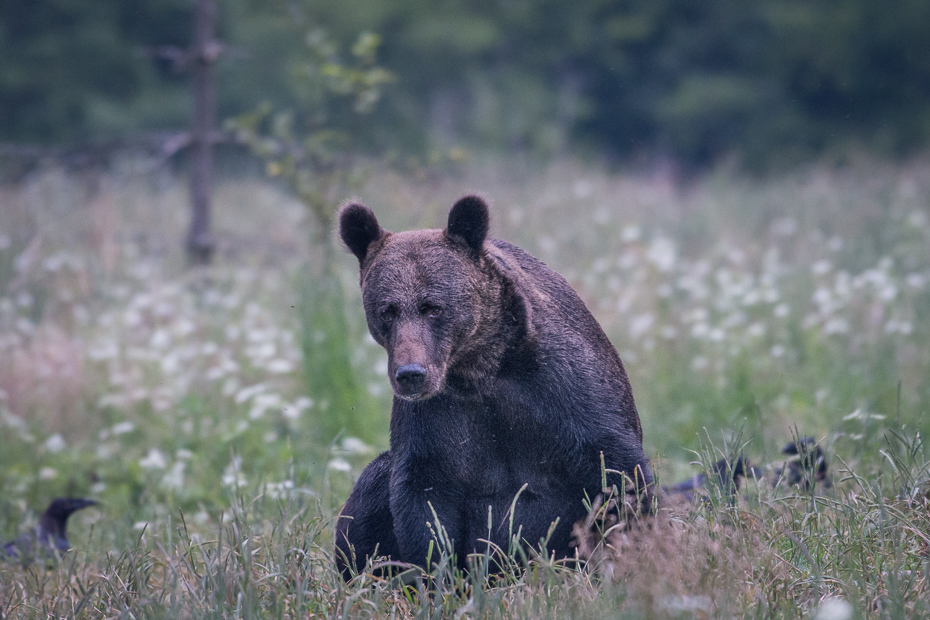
point(220, 415)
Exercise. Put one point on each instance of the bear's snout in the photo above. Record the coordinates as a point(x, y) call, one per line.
point(410, 379)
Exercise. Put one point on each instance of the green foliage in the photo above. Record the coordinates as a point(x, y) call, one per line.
point(346, 407)
point(856, 550)
point(74, 70)
point(312, 151)
point(773, 81)
point(221, 416)
point(312, 148)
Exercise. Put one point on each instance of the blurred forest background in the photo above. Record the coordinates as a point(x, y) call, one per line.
point(773, 82)
point(739, 191)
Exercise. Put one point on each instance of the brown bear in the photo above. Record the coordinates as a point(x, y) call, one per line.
point(508, 397)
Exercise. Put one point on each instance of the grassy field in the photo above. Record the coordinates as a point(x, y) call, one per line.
point(221, 415)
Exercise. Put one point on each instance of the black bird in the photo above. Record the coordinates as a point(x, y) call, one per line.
point(50, 538)
point(810, 466)
point(725, 474)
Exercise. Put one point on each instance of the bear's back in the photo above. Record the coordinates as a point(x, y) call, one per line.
point(556, 306)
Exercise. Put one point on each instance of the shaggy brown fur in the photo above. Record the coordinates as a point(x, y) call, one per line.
point(508, 397)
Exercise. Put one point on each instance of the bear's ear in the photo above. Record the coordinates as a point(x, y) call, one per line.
point(358, 228)
point(468, 221)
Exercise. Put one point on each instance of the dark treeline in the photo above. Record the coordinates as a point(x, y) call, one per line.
point(773, 81)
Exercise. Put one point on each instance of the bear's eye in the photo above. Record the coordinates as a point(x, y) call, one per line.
point(431, 311)
point(388, 314)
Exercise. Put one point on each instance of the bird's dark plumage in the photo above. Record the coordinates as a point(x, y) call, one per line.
point(807, 466)
point(50, 538)
point(726, 475)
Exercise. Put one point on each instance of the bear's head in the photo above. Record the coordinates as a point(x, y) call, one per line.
point(432, 297)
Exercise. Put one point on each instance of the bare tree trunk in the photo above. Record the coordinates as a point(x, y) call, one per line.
point(205, 50)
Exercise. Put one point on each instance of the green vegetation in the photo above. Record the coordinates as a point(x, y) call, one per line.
point(222, 414)
point(772, 81)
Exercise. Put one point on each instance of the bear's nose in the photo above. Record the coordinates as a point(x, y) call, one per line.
point(410, 378)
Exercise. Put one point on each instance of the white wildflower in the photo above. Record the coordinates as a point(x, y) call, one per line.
point(160, 339)
point(231, 475)
point(339, 464)
point(700, 330)
point(249, 392)
point(104, 351)
point(279, 366)
point(699, 605)
point(583, 188)
point(279, 490)
point(293, 411)
point(751, 297)
point(263, 351)
point(230, 386)
point(823, 297)
point(917, 219)
point(640, 325)
point(24, 326)
point(170, 364)
point(155, 459)
point(354, 445)
point(662, 254)
point(916, 281)
point(121, 428)
point(378, 389)
point(770, 295)
point(174, 479)
point(55, 443)
point(888, 292)
point(184, 327)
point(821, 267)
point(859, 414)
point(48, 473)
point(697, 315)
point(894, 326)
point(163, 309)
point(834, 608)
point(262, 403)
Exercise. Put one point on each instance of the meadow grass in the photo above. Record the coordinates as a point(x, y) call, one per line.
point(222, 414)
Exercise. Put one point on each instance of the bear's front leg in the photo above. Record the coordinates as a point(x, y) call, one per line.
point(365, 525)
point(427, 511)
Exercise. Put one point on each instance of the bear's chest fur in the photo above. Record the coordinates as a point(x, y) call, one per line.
point(471, 447)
